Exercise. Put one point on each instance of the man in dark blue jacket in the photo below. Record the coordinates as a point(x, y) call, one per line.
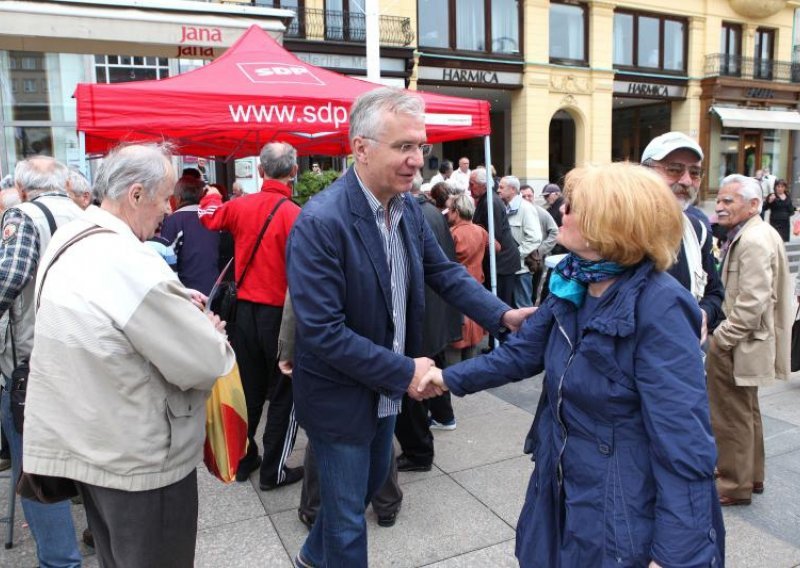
point(359, 257)
point(678, 160)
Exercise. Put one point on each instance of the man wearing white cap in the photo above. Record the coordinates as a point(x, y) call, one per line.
point(679, 160)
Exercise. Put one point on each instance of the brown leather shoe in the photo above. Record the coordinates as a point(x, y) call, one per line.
point(725, 501)
point(758, 487)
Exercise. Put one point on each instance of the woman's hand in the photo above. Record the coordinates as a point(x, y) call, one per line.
point(654, 564)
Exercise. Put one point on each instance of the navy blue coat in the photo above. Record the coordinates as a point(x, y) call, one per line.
point(625, 417)
point(340, 287)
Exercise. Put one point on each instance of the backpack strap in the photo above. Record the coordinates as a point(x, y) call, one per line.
point(258, 240)
point(51, 222)
point(93, 230)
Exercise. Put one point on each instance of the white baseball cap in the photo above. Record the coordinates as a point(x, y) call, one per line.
point(662, 146)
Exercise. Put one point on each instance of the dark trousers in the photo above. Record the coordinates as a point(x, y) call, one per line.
point(256, 346)
point(411, 428)
point(138, 529)
point(385, 501)
point(505, 287)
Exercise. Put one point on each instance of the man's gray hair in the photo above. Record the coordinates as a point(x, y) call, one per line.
point(7, 182)
point(512, 182)
point(366, 115)
point(749, 188)
point(463, 205)
point(278, 159)
point(147, 164)
point(480, 175)
point(41, 173)
point(79, 182)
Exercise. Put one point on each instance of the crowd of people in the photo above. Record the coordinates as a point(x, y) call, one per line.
point(360, 313)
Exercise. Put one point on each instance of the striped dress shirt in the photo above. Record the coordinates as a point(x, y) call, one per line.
point(397, 264)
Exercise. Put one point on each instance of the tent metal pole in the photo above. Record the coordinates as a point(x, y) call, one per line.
point(373, 46)
point(82, 154)
point(490, 211)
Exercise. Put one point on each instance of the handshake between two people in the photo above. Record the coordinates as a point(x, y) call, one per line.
point(427, 381)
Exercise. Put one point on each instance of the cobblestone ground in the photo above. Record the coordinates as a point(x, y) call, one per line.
point(463, 512)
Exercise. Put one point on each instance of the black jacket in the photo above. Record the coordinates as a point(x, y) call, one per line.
point(508, 257)
point(442, 323)
point(711, 302)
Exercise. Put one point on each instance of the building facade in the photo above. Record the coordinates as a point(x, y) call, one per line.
point(569, 81)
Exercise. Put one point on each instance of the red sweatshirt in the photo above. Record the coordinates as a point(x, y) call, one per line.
point(243, 218)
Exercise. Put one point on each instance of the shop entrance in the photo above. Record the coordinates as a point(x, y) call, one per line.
point(562, 146)
point(750, 152)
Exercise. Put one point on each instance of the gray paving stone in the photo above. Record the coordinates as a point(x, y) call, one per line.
point(282, 498)
point(482, 439)
point(477, 404)
point(497, 556)
point(747, 546)
point(439, 517)
point(789, 461)
point(500, 486)
point(780, 436)
point(249, 543)
point(781, 401)
point(523, 394)
point(222, 504)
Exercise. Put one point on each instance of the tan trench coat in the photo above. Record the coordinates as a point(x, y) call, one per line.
point(757, 306)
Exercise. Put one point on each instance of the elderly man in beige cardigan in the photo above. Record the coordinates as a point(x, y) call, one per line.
point(750, 348)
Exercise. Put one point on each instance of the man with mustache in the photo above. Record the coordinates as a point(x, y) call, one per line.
point(679, 161)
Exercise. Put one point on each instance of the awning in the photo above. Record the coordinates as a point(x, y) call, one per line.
point(760, 119)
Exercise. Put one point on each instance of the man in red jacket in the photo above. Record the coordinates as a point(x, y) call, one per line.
point(260, 296)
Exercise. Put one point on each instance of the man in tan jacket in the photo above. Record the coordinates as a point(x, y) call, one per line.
point(750, 348)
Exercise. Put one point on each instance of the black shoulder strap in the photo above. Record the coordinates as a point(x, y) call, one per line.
point(258, 240)
point(50, 219)
point(93, 230)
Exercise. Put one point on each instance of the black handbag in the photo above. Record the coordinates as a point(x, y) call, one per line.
point(795, 364)
point(222, 298)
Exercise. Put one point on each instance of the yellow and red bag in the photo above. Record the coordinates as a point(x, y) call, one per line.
point(226, 426)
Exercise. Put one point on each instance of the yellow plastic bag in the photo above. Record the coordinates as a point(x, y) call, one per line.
point(226, 426)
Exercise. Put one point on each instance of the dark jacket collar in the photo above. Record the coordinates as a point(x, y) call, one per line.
point(616, 314)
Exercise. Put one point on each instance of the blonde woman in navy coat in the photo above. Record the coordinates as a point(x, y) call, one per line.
point(622, 440)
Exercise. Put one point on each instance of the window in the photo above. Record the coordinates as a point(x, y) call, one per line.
point(29, 85)
point(650, 41)
point(730, 49)
point(568, 29)
point(345, 20)
point(489, 26)
point(433, 28)
point(122, 69)
point(764, 48)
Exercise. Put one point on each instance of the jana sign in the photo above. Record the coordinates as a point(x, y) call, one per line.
point(193, 34)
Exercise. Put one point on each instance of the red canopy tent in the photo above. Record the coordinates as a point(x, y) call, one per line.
point(254, 93)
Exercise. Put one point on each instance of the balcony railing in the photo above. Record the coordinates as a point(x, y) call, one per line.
point(349, 27)
point(724, 65)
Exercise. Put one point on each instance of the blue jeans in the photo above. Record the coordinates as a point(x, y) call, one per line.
point(523, 290)
point(51, 525)
point(349, 474)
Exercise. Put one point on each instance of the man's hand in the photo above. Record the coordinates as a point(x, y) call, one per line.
point(219, 325)
point(704, 328)
point(286, 367)
point(421, 367)
point(433, 378)
point(198, 298)
point(513, 319)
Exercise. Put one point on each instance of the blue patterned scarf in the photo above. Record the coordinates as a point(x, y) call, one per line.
point(572, 276)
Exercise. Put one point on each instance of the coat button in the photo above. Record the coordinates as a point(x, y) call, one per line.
point(712, 535)
point(604, 449)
